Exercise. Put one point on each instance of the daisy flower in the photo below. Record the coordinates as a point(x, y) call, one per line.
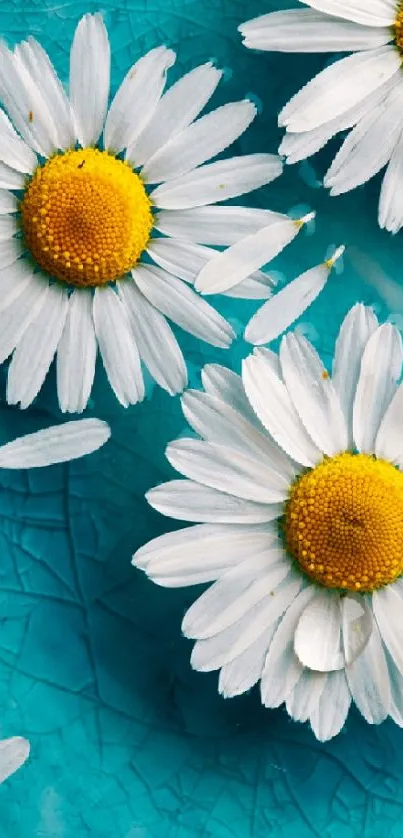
point(105, 214)
point(362, 92)
point(57, 444)
point(13, 753)
point(297, 481)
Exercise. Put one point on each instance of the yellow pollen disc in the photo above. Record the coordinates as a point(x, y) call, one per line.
point(398, 28)
point(344, 522)
point(86, 217)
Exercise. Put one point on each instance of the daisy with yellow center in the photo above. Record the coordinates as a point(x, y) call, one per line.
point(297, 482)
point(362, 92)
point(107, 216)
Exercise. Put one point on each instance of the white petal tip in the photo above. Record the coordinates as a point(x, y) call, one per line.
point(306, 218)
point(336, 255)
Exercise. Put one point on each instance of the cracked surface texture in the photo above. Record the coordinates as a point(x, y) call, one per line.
point(126, 740)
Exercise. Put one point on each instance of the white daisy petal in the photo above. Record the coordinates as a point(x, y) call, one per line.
point(204, 548)
point(155, 340)
point(275, 316)
point(297, 147)
point(76, 354)
point(369, 682)
point(43, 74)
point(177, 108)
point(218, 422)
point(26, 106)
point(380, 370)
point(237, 262)
point(214, 225)
point(391, 202)
point(15, 280)
point(317, 639)
point(306, 30)
point(226, 385)
point(282, 668)
point(217, 182)
point(57, 444)
point(369, 146)
point(89, 78)
point(8, 226)
point(13, 753)
point(376, 13)
point(225, 646)
point(313, 394)
point(10, 179)
point(339, 87)
point(227, 470)
point(14, 152)
point(356, 626)
point(396, 689)
point(272, 404)
point(355, 331)
point(183, 306)
point(200, 141)
point(304, 698)
point(388, 444)
point(331, 712)
point(117, 346)
point(237, 591)
point(8, 203)
point(22, 311)
point(136, 100)
point(244, 671)
point(387, 604)
point(36, 349)
point(190, 501)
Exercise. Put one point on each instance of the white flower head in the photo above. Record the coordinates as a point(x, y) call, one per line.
point(362, 92)
point(297, 488)
point(107, 215)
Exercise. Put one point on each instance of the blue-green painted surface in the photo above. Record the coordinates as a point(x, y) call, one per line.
point(127, 742)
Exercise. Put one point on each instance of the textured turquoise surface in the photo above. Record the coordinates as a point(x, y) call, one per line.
point(127, 742)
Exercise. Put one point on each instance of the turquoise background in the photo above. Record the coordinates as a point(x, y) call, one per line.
point(127, 741)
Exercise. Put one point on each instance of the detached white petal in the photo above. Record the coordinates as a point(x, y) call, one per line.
point(57, 444)
point(13, 753)
point(275, 316)
point(339, 87)
point(90, 60)
point(237, 262)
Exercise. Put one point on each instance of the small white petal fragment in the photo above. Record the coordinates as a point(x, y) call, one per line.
point(339, 87)
point(380, 370)
point(57, 444)
point(275, 316)
point(317, 640)
point(13, 753)
point(89, 78)
point(247, 255)
point(117, 346)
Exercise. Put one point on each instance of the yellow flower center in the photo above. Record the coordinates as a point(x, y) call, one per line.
point(86, 217)
point(398, 28)
point(344, 522)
